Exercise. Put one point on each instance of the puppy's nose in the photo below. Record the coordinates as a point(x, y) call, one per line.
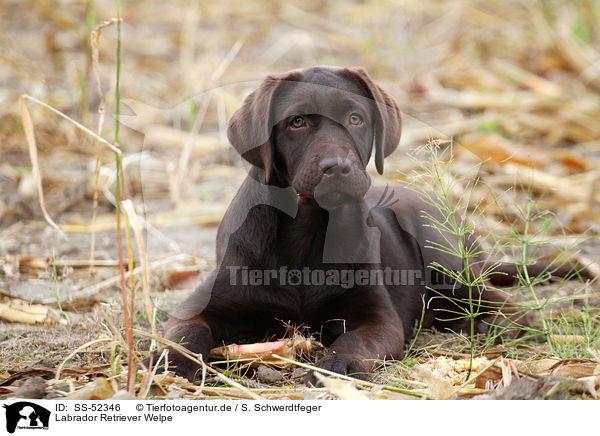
point(333, 166)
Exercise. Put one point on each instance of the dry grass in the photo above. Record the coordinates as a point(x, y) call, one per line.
point(515, 85)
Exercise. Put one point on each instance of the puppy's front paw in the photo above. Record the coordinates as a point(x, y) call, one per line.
point(340, 363)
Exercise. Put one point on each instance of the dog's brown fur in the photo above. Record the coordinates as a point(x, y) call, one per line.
point(308, 202)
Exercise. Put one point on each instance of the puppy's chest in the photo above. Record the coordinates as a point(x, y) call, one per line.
point(299, 247)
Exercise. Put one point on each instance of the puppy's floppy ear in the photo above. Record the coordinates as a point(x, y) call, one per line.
point(388, 119)
point(249, 129)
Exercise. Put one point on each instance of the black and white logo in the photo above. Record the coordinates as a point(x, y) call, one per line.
point(26, 415)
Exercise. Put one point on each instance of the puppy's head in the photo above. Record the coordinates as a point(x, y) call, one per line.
point(314, 129)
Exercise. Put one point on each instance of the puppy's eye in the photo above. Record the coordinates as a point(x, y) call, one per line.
point(297, 122)
point(356, 120)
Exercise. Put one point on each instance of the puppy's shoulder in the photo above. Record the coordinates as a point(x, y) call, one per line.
point(412, 207)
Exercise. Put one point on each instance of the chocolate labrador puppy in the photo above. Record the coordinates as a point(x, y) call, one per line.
point(308, 240)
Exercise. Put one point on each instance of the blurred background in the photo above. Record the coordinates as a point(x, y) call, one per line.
point(515, 85)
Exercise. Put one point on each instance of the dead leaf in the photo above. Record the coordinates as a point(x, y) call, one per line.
point(20, 311)
point(103, 389)
point(575, 368)
point(493, 374)
point(27, 263)
point(543, 365)
point(592, 385)
point(438, 387)
point(47, 372)
point(343, 389)
point(182, 280)
point(100, 389)
point(501, 151)
point(497, 149)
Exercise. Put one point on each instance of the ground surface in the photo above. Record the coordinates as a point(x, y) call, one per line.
point(514, 86)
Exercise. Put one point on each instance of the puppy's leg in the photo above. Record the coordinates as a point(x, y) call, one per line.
point(374, 331)
point(194, 334)
point(220, 311)
point(507, 274)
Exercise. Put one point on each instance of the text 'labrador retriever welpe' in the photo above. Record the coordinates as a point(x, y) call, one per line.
point(307, 240)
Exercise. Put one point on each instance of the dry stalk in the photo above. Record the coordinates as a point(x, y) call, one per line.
point(95, 42)
point(137, 230)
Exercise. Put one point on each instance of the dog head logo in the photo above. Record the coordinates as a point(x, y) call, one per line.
point(26, 415)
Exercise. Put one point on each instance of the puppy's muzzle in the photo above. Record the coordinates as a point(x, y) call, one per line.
point(342, 181)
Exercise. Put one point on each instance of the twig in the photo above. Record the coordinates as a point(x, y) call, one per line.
point(78, 125)
point(35, 167)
